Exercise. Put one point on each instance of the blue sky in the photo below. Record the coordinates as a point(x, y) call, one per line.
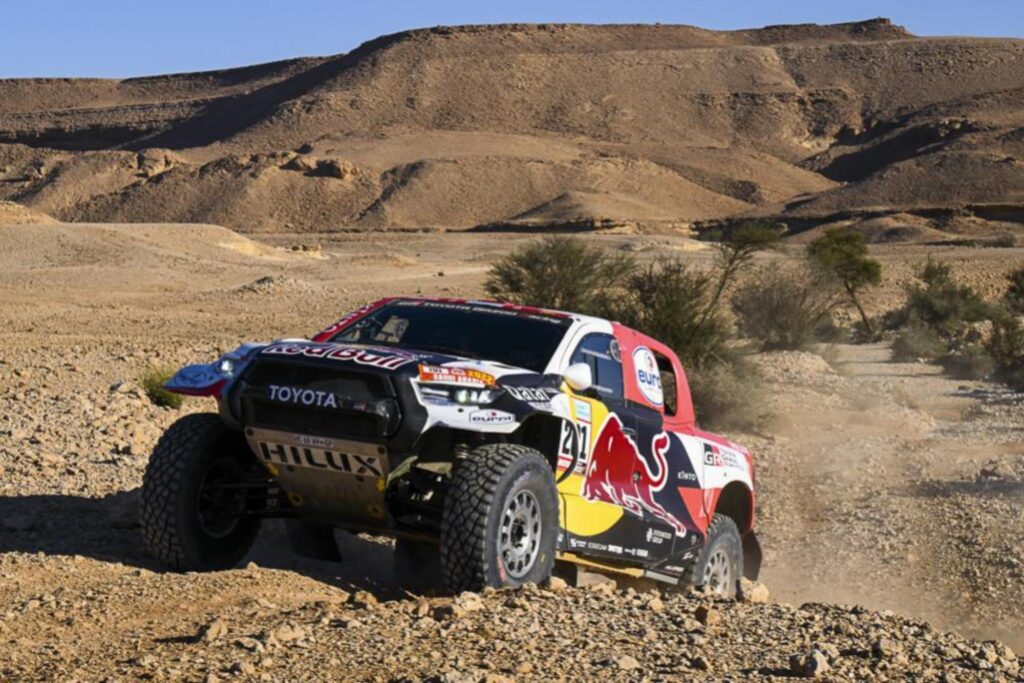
point(119, 38)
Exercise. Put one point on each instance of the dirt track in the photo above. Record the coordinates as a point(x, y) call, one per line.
point(880, 484)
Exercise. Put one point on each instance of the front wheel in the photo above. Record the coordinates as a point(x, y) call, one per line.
point(194, 497)
point(719, 566)
point(500, 521)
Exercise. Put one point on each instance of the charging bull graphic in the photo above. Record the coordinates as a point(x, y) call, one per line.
point(618, 474)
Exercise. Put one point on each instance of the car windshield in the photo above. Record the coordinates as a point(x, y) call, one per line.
point(513, 338)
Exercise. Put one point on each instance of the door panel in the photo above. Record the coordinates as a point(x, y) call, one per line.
point(606, 500)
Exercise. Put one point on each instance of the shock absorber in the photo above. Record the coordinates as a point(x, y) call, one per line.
point(460, 450)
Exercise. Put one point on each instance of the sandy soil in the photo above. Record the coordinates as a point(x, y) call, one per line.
point(881, 484)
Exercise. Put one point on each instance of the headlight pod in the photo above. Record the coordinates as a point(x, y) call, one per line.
point(465, 396)
point(226, 367)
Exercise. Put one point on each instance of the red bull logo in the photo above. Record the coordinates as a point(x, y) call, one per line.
point(617, 474)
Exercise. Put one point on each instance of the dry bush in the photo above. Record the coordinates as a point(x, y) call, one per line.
point(942, 304)
point(730, 396)
point(1013, 299)
point(917, 342)
point(675, 306)
point(153, 381)
point(971, 362)
point(562, 273)
point(783, 309)
point(1006, 348)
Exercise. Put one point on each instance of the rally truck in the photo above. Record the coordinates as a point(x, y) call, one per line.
point(495, 439)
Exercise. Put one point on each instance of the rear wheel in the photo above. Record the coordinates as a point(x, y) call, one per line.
point(500, 522)
point(194, 496)
point(719, 566)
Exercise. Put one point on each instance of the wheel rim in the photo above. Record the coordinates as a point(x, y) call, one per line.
point(519, 533)
point(718, 573)
point(218, 507)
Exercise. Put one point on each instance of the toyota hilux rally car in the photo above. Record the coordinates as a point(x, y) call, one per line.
point(500, 438)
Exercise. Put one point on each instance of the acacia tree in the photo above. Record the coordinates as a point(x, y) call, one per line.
point(736, 250)
point(842, 254)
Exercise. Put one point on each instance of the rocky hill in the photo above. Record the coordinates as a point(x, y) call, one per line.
point(655, 126)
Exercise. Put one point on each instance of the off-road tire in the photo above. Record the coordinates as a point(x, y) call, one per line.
point(170, 491)
point(417, 566)
point(724, 537)
point(482, 486)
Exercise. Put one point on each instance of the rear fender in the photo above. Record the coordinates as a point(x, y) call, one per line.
point(736, 501)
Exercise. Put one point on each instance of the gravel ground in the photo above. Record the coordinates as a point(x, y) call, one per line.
point(882, 486)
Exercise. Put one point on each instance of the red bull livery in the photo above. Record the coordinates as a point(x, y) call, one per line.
point(489, 439)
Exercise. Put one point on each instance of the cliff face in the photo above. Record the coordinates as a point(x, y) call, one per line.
point(458, 127)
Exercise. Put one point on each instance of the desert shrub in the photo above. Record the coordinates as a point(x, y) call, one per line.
point(153, 381)
point(560, 272)
point(675, 306)
point(730, 396)
point(1003, 241)
point(944, 305)
point(784, 310)
point(970, 362)
point(830, 332)
point(917, 342)
point(1005, 346)
point(1013, 299)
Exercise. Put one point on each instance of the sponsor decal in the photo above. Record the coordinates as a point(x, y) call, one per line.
point(379, 359)
point(491, 417)
point(615, 350)
point(529, 394)
point(582, 410)
point(616, 473)
point(648, 378)
point(304, 397)
point(716, 456)
point(465, 376)
point(617, 549)
point(491, 307)
point(318, 441)
point(320, 458)
point(657, 536)
point(686, 476)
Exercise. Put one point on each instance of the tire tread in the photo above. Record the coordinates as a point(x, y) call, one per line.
point(469, 499)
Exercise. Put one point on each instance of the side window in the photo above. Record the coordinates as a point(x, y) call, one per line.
point(601, 353)
point(668, 384)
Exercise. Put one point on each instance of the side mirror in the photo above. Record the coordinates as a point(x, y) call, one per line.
point(578, 376)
